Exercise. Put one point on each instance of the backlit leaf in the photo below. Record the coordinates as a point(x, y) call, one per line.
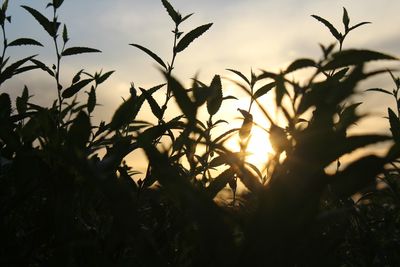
point(24, 41)
point(345, 19)
point(394, 124)
point(215, 100)
point(264, 89)
point(241, 75)
point(190, 36)
point(176, 17)
point(151, 54)
point(47, 25)
point(332, 29)
point(78, 50)
point(75, 88)
point(299, 64)
point(354, 57)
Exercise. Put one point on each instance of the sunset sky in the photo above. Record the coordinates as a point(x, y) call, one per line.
point(258, 34)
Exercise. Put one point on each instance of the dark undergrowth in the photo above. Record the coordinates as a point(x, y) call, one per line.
point(68, 198)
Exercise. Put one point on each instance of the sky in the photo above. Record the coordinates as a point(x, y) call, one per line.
point(252, 34)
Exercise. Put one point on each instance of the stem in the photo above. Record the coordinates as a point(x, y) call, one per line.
point(4, 47)
point(57, 71)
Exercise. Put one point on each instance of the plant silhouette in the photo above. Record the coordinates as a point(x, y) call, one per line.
point(68, 197)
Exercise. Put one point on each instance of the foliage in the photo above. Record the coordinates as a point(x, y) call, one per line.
point(68, 198)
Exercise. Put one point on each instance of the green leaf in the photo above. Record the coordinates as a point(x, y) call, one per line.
point(264, 89)
point(79, 50)
point(215, 100)
point(176, 17)
point(80, 130)
point(354, 57)
point(155, 108)
point(241, 75)
point(394, 125)
point(190, 36)
point(151, 54)
point(24, 41)
point(332, 29)
point(299, 64)
point(73, 89)
point(47, 25)
point(345, 19)
point(185, 104)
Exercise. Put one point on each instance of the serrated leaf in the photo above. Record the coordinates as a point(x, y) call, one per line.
point(379, 90)
point(24, 41)
point(5, 106)
point(79, 50)
point(354, 57)
point(332, 29)
point(91, 102)
point(151, 54)
point(75, 88)
point(155, 108)
point(264, 89)
point(47, 25)
point(43, 66)
point(126, 112)
point(104, 77)
point(394, 125)
point(215, 100)
point(57, 3)
point(358, 25)
point(171, 12)
point(10, 70)
point(79, 132)
point(65, 34)
point(185, 104)
point(300, 64)
point(345, 19)
point(190, 36)
point(241, 75)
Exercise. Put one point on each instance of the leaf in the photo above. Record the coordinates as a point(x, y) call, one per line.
point(65, 34)
point(264, 89)
point(47, 25)
point(358, 25)
point(247, 124)
point(345, 19)
point(57, 3)
point(394, 125)
point(151, 54)
point(241, 75)
point(155, 108)
point(215, 100)
point(379, 90)
point(332, 29)
point(43, 66)
point(24, 41)
point(186, 17)
point(91, 102)
point(78, 50)
point(220, 182)
point(73, 89)
point(299, 64)
point(10, 70)
point(126, 112)
point(104, 77)
point(21, 102)
point(5, 106)
point(190, 36)
point(176, 17)
point(354, 57)
point(185, 104)
point(79, 132)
